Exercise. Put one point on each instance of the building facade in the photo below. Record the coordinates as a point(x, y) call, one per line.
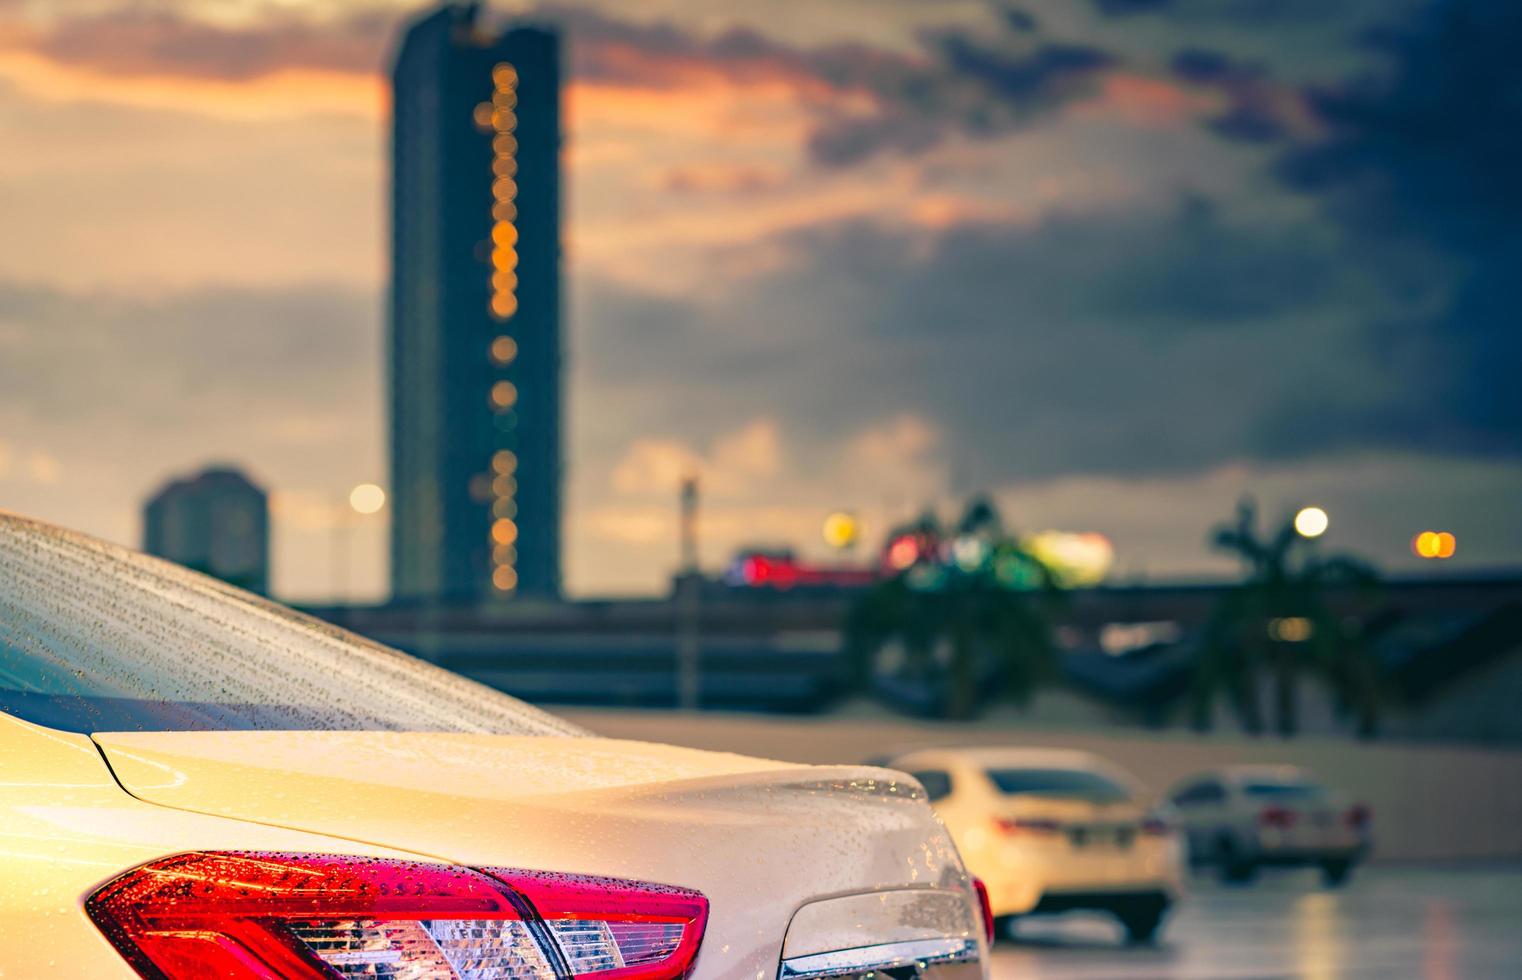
point(475, 352)
point(216, 522)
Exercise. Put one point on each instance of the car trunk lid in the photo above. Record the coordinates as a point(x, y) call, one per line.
point(759, 838)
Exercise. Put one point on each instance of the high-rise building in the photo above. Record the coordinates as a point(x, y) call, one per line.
point(217, 522)
point(475, 355)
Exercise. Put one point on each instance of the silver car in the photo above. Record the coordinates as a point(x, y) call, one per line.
point(1241, 818)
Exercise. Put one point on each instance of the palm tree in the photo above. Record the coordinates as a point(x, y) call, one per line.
point(971, 602)
point(1278, 625)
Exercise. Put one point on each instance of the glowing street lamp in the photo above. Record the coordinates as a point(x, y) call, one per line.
point(1434, 544)
point(1311, 522)
point(367, 498)
point(364, 500)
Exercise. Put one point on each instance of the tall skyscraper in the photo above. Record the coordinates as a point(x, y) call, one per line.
point(217, 522)
point(475, 311)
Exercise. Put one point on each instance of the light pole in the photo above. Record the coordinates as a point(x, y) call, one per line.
point(362, 501)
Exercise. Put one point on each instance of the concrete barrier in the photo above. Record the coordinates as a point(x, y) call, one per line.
point(1431, 803)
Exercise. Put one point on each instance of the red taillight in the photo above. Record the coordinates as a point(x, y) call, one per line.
point(1359, 816)
point(244, 915)
point(1025, 825)
point(1276, 816)
point(656, 929)
point(987, 908)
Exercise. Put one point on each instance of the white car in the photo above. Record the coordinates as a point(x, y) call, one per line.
point(1240, 818)
point(1053, 831)
point(197, 783)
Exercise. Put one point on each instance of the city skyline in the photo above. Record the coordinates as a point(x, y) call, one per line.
point(831, 260)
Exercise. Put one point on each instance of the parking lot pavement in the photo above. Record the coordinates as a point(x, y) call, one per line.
point(1436, 924)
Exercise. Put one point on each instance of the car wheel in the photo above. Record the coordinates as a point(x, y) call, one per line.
point(1335, 874)
point(1141, 918)
point(1236, 868)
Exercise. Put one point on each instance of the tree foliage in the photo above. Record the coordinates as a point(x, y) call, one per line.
point(973, 607)
point(1278, 627)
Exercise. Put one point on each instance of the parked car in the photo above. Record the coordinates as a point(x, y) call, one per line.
point(195, 782)
point(1051, 831)
point(1242, 818)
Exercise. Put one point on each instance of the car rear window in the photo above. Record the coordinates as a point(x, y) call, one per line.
point(94, 637)
point(1063, 783)
point(1283, 790)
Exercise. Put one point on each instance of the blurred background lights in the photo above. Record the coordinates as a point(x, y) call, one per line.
point(1075, 559)
point(503, 350)
point(969, 552)
point(903, 552)
point(1434, 544)
point(840, 530)
point(1311, 522)
point(367, 498)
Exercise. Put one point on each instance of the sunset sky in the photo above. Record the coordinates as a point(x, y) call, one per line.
point(1115, 262)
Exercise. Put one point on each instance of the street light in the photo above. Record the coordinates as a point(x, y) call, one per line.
point(1311, 522)
point(364, 500)
point(367, 498)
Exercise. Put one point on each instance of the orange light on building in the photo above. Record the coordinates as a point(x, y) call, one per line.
point(503, 506)
point(504, 531)
point(504, 578)
point(503, 350)
point(504, 211)
point(504, 75)
point(504, 461)
point(483, 114)
point(504, 166)
point(504, 394)
point(505, 234)
point(504, 144)
point(503, 305)
point(504, 189)
point(504, 554)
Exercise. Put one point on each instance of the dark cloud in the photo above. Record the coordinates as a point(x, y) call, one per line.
point(1020, 20)
point(1116, 344)
point(1125, 8)
point(1428, 152)
point(1203, 66)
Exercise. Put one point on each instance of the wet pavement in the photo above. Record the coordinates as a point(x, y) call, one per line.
point(1435, 924)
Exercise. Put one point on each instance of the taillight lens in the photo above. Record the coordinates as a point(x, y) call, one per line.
point(987, 907)
point(1276, 816)
point(1026, 825)
point(243, 915)
point(615, 929)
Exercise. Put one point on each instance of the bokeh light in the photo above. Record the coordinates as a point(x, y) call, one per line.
point(1311, 522)
point(367, 498)
point(840, 529)
point(1434, 544)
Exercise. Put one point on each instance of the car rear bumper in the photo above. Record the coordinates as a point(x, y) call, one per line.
point(1304, 856)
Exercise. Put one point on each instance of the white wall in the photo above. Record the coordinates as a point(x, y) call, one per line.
point(1431, 803)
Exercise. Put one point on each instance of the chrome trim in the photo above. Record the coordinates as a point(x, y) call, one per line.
point(921, 953)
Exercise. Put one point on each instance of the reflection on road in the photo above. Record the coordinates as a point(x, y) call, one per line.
point(1429, 924)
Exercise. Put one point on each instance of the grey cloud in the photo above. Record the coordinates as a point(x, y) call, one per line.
point(1109, 344)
